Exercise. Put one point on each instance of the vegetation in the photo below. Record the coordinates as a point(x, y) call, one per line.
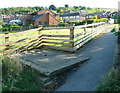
point(20, 10)
point(61, 10)
point(89, 21)
point(110, 83)
point(17, 77)
point(15, 27)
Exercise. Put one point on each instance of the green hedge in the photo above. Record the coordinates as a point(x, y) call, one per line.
point(89, 21)
point(63, 24)
point(103, 19)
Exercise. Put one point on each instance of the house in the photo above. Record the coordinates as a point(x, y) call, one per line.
point(89, 16)
point(98, 14)
point(44, 17)
point(74, 16)
point(106, 15)
point(7, 18)
point(114, 15)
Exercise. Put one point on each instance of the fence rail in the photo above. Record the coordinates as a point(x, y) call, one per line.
point(69, 42)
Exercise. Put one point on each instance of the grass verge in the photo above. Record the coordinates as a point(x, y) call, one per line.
point(110, 83)
point(16, 77)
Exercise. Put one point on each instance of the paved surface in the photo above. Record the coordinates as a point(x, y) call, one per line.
point(50, 62)
point(85, 78)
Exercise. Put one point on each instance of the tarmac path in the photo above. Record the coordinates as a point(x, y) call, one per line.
point(101, 52)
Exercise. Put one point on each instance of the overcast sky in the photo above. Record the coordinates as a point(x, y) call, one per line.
point(58, 3)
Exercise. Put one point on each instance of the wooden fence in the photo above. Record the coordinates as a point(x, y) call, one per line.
point(70, 41)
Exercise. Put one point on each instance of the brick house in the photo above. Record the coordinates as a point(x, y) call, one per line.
point(44, 17)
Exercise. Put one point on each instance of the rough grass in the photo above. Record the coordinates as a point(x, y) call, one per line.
point(112, 26)
point(110, 83)
point(17, 77)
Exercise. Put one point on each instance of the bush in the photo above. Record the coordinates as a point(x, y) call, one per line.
point(90, 21)
point(79, 23)
point(103, 19)
point(94, 17)
point(96, 20)
point(15, 26)
point(0, 26)
point(70, 22)
point(63, 24)
point(6, 29)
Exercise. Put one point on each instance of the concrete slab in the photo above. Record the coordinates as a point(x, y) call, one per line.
point(49, 62)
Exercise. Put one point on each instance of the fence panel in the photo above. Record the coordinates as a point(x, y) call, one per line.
point(70, 39)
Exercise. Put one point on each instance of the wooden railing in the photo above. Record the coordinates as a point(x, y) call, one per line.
point(72, 40)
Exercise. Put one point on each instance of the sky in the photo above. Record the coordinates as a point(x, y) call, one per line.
point(60, 3)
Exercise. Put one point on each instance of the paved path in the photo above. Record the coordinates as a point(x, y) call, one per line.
point(85, 78)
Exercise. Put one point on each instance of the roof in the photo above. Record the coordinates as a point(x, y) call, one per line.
point(74, 13)
point(17, 20)
point(48, 10)
point(71, 14)
point(38, 16)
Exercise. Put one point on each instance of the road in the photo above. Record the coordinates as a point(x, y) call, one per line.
point(101, 52)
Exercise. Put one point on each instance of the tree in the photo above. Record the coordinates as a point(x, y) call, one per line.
point(1, 22)
point(66, 6)
point(82, 8)
point(52, 7)
point(75, 7)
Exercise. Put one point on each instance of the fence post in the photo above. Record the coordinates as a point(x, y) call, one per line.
point(6, 40)
point(39, 33)
point(84, 30)
point(72, 37)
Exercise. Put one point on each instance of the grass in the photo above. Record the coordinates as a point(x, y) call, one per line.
point(112, 26)
point(110, 83)
point(17, 77)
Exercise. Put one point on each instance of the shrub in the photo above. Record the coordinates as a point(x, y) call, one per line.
point(103, 19)
point(115, 32)
point(63, 24)
point(96, 20)
point(71, 22)
point(60, 19)
point(90, 21)
point(79, 23)
point(0, 26)
point(94, 17)
point(15, 26)
point(6, 29)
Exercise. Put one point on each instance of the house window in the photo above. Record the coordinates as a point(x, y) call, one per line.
point(45, 23)
point(40, 23)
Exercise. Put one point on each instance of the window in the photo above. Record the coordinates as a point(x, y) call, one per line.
point(45, 23)
point(40, 23)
